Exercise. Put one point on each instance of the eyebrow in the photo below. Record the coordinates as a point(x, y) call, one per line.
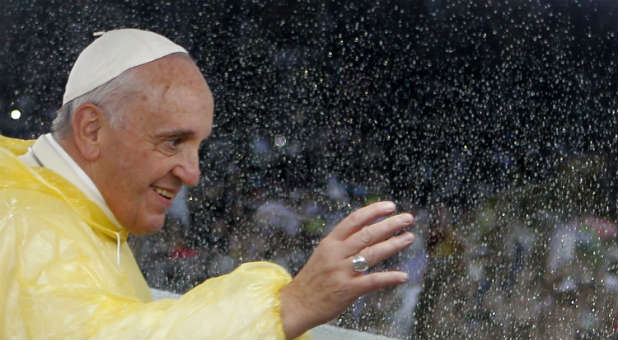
point(177, 133)
point(184, 133)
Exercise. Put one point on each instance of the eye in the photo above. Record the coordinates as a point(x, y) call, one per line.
point(171, 145)
point(174, 142)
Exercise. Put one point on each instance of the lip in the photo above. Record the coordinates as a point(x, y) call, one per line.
point(167, 202)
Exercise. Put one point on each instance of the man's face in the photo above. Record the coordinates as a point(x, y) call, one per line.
point(148, 156)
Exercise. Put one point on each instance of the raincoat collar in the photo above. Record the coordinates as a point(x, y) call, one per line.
point(47, 153)
point(13, 171)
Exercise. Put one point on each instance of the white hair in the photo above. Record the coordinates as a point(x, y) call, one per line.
point(110, 96)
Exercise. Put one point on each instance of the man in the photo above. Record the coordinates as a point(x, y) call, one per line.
point(135, 111)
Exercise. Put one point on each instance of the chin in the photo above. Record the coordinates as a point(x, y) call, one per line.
point(148, 228)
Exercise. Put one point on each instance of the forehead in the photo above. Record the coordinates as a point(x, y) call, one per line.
point(173, 95)
point(177, 112)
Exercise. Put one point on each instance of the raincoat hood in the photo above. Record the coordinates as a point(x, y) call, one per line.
point(15, 173)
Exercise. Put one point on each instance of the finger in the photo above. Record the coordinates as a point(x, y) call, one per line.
point(368, 283)
point(378, 232)
point(361, 217)
point(383, 250)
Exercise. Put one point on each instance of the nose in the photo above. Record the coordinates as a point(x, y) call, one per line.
point(188, 169)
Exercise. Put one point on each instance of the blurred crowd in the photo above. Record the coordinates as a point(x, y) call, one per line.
point(537, 260)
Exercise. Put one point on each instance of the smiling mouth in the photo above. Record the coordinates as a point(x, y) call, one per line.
point(164, 193)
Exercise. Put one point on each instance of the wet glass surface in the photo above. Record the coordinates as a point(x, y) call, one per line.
point(494, 122)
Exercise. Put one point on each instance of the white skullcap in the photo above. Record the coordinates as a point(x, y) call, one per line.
point(113, 53)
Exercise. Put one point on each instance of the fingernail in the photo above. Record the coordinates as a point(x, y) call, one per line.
point(408, 237)
point(388, 205)
point(403, 277)
point(407, 218)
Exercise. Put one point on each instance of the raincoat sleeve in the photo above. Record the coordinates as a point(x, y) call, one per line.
point(61, 280)
point(241, 305)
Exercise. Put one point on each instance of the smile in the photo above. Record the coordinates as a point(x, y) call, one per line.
point(164, 193)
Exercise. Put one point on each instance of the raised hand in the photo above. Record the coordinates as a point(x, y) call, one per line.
point(328, 282)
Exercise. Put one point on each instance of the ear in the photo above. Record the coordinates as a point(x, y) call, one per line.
point(87, 122)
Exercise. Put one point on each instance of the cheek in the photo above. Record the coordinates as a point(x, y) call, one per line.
point(129, 174)
point(136, 168)
point(123, 155)
point(149, 170)
point(135, 161)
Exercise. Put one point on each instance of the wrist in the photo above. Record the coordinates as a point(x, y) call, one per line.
point(292, 311)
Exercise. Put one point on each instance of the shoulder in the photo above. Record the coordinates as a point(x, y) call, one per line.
point(28, 214)
point(14, 145)
point(24, 203)
point(46, 235)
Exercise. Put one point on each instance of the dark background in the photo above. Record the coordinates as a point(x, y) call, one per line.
point(415, 93)
point(446, 107)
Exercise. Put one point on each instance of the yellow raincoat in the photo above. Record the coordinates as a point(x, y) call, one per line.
point(67, 272)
